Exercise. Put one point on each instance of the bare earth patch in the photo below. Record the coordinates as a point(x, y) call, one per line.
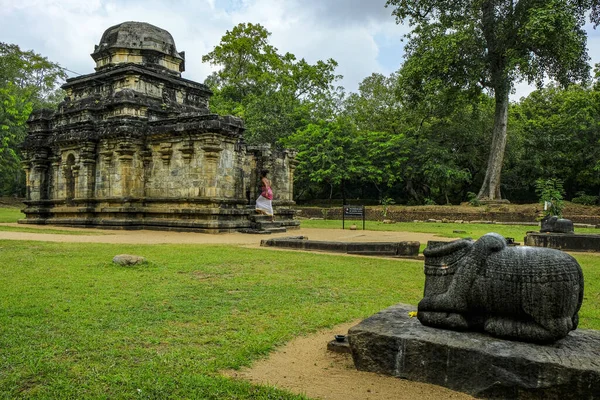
point(305, 366)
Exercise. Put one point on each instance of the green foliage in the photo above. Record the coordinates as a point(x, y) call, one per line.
point(559, 133)
point(550, 192)
point(473, 200)
point(276, 94)
point(585, 199)
point(386, 202)
point(329, 152)
point(462, 48)
point(27, 82)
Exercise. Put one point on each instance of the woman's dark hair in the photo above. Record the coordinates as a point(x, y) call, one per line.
point(264, 173)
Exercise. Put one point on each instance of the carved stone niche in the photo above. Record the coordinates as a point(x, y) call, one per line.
point(166, 151)
point(146, 157)
point(212, 148)
point(126, 151)
point(187, 150)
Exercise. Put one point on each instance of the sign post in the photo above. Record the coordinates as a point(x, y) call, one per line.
point(353, 212)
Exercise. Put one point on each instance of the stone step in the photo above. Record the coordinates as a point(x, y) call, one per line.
point(254, 231)
point(275, 230)
point(266, 225)
point(260, 217)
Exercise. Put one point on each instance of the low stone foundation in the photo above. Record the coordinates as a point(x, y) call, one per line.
point(193, 215)
point(392, 343)
point(384, 249)
point(564, 241)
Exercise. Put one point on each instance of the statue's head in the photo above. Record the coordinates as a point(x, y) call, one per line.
point(442, 259)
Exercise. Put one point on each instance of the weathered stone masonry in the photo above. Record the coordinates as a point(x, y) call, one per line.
point(134, 145)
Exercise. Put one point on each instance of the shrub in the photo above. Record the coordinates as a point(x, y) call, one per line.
point(585, 199)
point(473, 200)
point(550, 192)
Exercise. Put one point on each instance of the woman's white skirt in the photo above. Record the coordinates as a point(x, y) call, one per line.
point(264, 205)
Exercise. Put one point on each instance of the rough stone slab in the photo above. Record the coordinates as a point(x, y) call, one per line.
point(392, 343)
point(386, 249)
point(564, 241)
point(128, 259)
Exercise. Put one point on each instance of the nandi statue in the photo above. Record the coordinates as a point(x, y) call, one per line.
point(523, 293)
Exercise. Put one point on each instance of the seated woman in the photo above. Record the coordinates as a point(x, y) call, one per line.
point(264, 202)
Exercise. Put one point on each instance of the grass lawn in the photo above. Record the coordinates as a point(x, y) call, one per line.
point(74, 325)
point(10, 214)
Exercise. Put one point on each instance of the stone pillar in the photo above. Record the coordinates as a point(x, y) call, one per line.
point(212, 152)
point(55, 165)
point(27, 168)
point(36, 176)
point(88, 172)
point(125, 152)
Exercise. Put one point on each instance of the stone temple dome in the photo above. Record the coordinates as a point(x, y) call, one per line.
point(138, 43)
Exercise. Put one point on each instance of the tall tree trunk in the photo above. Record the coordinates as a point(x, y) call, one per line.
point(491, 183)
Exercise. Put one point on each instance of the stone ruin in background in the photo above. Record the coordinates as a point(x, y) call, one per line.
point(134, 145)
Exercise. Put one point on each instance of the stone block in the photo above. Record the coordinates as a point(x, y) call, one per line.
point(392, 343)
point(128, 259)
point(564, 241)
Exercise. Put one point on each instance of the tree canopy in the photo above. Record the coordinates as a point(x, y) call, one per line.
point(27, 81)
point(276, 94)
point(477, 45)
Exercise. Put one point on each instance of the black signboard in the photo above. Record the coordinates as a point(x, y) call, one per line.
point(350, 212)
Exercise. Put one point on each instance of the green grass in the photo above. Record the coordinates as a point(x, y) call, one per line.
point(12, 215)
point(9, 214)
point(73, 325)
point(474, 231)
point(31, 229)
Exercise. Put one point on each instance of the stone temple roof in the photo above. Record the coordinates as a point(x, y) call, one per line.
point(137, 36)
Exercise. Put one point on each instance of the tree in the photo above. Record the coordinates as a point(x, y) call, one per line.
point(329, 152)
point(275, 94)
point(476, 45)
point(560, 132)
point(27, 81)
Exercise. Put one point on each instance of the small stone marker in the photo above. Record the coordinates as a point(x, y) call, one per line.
point(458, 231)
point(128, 259)
point(339, 344)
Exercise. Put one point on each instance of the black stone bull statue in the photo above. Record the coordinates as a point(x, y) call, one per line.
point(524, 293)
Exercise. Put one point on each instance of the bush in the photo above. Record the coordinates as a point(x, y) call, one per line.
point(550, 192)
point(585, 199)
point(473, 200)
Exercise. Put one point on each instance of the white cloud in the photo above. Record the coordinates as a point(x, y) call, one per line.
point(66, 31)
point(361, 35)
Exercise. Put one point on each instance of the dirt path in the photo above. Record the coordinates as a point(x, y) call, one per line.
point(303, 365)
point(158, 237)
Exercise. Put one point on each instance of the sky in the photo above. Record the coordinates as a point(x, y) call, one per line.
point(361, 35)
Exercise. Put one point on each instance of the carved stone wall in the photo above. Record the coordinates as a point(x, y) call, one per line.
point(134, 145)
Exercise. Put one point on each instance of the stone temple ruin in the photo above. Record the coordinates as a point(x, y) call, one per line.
point(135, 146)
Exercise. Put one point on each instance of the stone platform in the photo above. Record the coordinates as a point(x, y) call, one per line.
point(382, 249)
point(392, 343)
point(564, 241)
